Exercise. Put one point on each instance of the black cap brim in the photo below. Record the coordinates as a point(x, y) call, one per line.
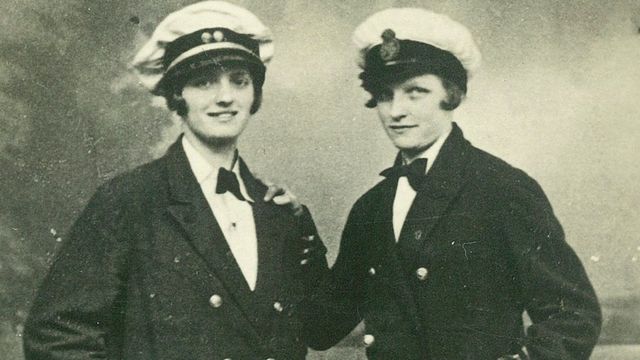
point(175, 78)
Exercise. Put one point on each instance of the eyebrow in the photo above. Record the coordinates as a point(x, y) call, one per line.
point(413, 83)
point(239, 71)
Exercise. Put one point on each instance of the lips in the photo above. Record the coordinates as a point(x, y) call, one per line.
point(222, 115)
point(401, 128)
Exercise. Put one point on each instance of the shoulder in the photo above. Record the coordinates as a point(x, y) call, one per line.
point(508, 187)
point(499, 174)
point(368, 204)
point(373, 195)
point(116, 206)
point(483, 172)
point(131, 188)
point(137, 180)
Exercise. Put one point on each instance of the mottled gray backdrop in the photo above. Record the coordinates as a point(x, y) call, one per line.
point(558, 95)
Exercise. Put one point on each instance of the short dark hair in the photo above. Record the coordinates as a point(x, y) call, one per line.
point(455, 94)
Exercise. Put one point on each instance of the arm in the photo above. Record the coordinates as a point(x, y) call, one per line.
point(311, 252)
point(556, 291)
point(332, 307)
point(74, 315)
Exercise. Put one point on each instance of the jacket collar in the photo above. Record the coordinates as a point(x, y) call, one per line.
point(183, 184)
point(447, 174)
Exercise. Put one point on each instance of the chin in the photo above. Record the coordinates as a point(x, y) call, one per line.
point(217, 139)
point(407, 146)
point(413, 149)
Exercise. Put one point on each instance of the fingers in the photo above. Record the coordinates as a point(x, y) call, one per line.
point(285, 198)
point(293, 203)
point(281, 195)
point(273, 191)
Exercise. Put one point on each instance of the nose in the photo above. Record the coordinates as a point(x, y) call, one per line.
point(397, 109)
point(224, 95)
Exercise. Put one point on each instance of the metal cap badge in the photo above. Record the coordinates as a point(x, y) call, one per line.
point(390, 47)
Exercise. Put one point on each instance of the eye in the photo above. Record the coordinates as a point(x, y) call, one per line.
point(240, 78)
point(415, 91)
point(200, 82)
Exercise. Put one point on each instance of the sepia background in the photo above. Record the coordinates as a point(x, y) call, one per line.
point(558, 95)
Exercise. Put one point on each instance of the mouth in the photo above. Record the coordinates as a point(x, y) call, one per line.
point(401, 128)
point(222, 115)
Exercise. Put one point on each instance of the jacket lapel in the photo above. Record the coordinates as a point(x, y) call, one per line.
point(443, 183)
point(191, 211)
point(269, 235)
point(387, 253)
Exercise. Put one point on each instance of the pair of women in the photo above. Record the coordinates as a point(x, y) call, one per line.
point(184, 258)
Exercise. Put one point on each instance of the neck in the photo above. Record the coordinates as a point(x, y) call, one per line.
point(218, 153)
point(409, 155)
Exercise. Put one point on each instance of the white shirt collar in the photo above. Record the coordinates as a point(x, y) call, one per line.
point(204, 171)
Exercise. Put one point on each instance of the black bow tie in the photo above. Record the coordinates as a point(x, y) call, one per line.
point(415, 172)
point(227, 181)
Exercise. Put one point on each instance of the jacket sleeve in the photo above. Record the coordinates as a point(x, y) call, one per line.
point(309, 239)
point(334, 302)
point(557, 294)
point(75, 313)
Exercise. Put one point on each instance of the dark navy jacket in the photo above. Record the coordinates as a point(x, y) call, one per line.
point(480, 245)
point(146, 273)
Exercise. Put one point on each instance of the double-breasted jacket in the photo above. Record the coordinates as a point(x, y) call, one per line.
point(146, 273)
point(479, 247)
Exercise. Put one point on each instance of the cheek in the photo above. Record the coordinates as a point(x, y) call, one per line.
point(424, 113)
point(383, 110)
point(246, 97)
point(247, 101)
point(194, 99)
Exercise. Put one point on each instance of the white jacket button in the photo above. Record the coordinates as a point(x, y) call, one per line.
point(215, 300)
point(368, 340)
point(422, 273)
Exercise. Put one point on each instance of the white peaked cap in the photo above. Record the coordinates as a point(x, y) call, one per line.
point(420, 25)
point(148, 62)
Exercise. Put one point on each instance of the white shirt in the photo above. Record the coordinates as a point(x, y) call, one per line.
point(405, 193)
point(234, 216)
